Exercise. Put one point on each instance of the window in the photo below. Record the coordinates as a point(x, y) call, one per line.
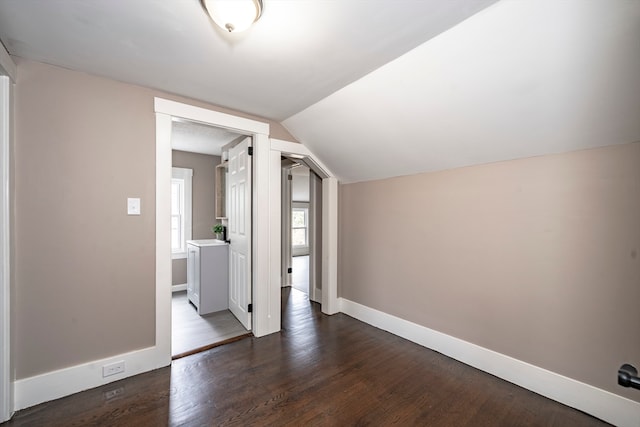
point(180, 211)
point(300, 228)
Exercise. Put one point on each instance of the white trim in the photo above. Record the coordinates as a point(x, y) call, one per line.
point(7, 65)
point(329, 216)
point(290, 147)
point(186, 175)
point(600, 403)
point(216, 118)
point(304, 249)
point(266, 298)
point(299, 151)
point(6, 391)
point(163, 242)
point(330, 246)
point(266, 308)
point(179, 288)
point(285, 224)
point(56, 384)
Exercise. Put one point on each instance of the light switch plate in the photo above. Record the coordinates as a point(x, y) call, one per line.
point(133, 206)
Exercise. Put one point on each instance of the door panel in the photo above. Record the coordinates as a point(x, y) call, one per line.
point(240, 232)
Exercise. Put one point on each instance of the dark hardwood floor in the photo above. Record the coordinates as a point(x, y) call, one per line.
point(320, 370)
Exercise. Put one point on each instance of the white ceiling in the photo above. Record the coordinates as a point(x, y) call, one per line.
point(519, 79)
point(296, 54)
point(374, 88)
point(199, 138)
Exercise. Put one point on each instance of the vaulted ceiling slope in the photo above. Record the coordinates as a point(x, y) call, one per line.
point(521, 78)
point(296, 54)
point(375, 88)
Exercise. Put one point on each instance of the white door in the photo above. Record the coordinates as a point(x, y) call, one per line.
point(239, 214)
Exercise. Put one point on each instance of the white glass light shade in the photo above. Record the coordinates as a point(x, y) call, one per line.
point(234, 15)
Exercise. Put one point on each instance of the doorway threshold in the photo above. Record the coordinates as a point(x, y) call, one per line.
point(210, 346)
point(192, 333)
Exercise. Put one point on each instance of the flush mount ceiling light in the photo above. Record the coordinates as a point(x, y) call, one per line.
point(233, 15)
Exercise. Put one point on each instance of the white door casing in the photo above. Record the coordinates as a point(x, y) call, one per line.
point(286, 226)
point(266, 292)
point(329, 293)
point(8, 74)
point(266, 251)
point(6, 389)
point(239, 214)
point(266, 226)
point(266, 307)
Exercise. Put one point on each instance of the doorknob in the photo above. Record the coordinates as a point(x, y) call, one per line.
point(628, 376)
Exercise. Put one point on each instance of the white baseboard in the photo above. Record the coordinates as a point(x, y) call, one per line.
point(600, 403)
point(56, 384)
point(178, 288)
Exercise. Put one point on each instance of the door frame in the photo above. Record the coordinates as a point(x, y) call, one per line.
point(285, 239)
point(8, 74)
point(315, 239)
point(301, 153)
point(6, 131)
point(266, 239)
point(266, 300)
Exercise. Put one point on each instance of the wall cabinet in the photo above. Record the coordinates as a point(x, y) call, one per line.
point(207, 275)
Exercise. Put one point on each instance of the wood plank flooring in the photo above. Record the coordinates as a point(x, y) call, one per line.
point(191, 332)
point(319, 371)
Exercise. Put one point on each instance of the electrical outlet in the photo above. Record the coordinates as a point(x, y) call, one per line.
point(112, 369)
point(114, 393)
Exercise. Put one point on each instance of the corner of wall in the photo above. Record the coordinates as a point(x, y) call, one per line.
point(600, 403)
point(7, 66)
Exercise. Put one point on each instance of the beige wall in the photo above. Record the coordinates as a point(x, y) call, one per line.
point(84, 270)
point(203, 201)
point(179, 271)
point(537, 258)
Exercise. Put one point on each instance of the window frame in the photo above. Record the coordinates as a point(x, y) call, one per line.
point(300, 249)
point(185, 177)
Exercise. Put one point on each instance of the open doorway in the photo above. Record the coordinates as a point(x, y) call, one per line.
point(200, 306)
point(326, 186)
point(302, 229)
point(266, 221)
